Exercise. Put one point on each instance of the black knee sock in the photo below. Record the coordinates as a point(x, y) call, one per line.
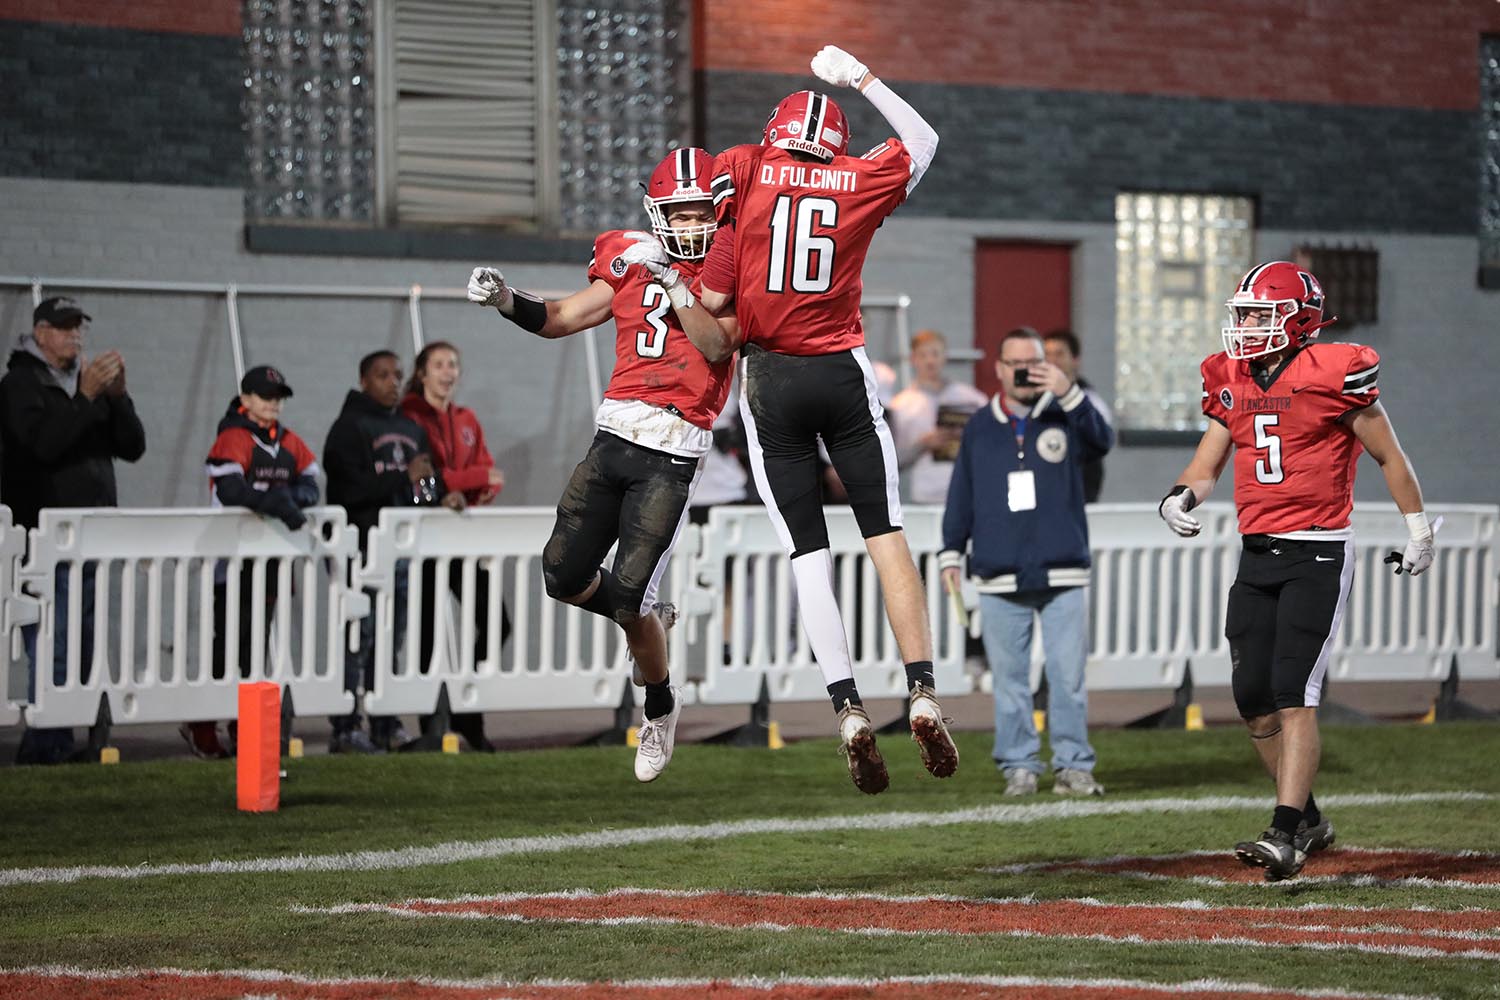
point(1310, 812)
point(659, 700)
point(602, 600)
point(919, 672)
point(1286, 818)
point(842, 691)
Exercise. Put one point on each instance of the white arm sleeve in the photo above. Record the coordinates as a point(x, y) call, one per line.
point(911, 128)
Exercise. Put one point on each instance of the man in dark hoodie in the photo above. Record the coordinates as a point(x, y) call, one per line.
point(63, 421)
point(376, 457)
point(259, 463)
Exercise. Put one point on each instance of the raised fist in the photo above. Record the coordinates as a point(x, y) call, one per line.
point(487, 287)
point(838, 68)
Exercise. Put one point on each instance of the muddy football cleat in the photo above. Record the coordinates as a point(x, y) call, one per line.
point(657, 739)
point(1275, 852)
point(1310, 839)
point(930, 732)
point(866, 766)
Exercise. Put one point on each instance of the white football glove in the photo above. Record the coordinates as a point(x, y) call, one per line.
point(487, 287)
point(838, 68)
point(648, 253)
point(1173, 510)
point(1419, 550)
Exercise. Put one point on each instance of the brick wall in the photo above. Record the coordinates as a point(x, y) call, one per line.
point(100, 103)
point(1012, 153)
point(1369, 52)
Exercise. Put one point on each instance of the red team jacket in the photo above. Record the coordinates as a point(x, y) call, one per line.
point(802, 228)
point(654, 360)
point(458, 448)
point(1294, 461)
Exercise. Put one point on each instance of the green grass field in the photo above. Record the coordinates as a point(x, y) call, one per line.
point(134, 819)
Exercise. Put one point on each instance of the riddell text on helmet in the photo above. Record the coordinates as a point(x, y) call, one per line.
point(800, 175)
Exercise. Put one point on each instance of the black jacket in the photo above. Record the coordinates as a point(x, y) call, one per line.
point(365, 459)
point(60, 449)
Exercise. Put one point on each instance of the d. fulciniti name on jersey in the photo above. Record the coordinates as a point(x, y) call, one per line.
point(798, 175)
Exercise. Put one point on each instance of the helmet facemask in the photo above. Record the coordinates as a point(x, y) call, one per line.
point(1244, 343)
point(688, 242)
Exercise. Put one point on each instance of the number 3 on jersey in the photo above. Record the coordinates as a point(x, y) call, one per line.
point(803, 244)
point(1268, 469)
point(652, 343)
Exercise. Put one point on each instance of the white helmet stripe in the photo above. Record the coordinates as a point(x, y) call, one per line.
point(1254, 273)
point(685, 175)
point(812, 125)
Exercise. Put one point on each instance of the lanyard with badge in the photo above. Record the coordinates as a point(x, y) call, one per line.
point(1021, 483)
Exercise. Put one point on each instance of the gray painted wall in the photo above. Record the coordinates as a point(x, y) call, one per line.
point(1439, 335)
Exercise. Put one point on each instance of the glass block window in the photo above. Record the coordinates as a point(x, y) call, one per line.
point(1177, 257)
point(1489, 152)
point(625, 101)
point(308, 109)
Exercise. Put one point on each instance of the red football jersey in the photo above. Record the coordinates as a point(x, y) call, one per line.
point(802, 232)
point(654, 360)
point(1294, 461)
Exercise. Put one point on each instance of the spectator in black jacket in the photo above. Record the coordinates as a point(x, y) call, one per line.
point(258, 462)
point(375, 458)
point(64, 419)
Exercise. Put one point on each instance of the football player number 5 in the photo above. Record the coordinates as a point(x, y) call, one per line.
point(1268, 469)
point(792, 236)
point(652, 343)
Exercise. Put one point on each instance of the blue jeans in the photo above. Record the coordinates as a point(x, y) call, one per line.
point(359, 666)
point(52, 746)
point(1007, 644)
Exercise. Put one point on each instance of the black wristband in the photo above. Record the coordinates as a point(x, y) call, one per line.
point(529, 312)
point(1188, 504)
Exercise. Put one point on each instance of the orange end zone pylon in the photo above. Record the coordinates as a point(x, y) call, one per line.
point(258, 764)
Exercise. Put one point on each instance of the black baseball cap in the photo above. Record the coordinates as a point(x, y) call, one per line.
point(265, 382)
point(59, 311)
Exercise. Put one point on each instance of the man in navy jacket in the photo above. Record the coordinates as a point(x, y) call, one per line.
point(1015, 502)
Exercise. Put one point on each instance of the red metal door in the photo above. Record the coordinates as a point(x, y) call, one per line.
point(1018, 283)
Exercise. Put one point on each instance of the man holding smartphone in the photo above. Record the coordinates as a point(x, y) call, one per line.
point(1020, 463)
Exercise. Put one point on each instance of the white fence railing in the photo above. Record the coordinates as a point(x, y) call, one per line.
point(1157, 606)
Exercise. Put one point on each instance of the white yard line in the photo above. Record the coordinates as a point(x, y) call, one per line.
point(767, 983)
point(500, 847)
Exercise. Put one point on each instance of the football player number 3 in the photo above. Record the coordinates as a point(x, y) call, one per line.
point(792, 236)
point(1268, 469)
point(652, 343)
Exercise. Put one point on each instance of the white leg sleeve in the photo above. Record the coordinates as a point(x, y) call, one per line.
point(819, 612)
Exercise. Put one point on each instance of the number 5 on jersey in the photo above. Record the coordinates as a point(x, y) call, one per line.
point(1268, 469)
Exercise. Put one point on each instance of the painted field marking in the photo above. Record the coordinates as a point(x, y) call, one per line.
point(67, 983)
point(500, 847)
point(1410, 933)
point(1354, 866)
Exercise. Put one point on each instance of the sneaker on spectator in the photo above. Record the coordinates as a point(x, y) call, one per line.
point(929, 731)
point(866, 766)
point(1072, 781)
point(657, 740)
point(203, 739)
point(353, 741)
point(397, 738)
point(1019, 781)
point(667, 612)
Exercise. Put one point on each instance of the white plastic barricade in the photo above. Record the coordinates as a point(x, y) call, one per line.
point(762, 637)
point(16, 609)
point(557, 655)
point(154, 574)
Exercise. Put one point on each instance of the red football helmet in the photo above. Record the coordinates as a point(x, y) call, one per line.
point(810, 123)
point(684, 175)
point(1292, 300)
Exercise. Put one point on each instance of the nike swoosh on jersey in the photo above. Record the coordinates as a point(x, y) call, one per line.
point(1323, 559)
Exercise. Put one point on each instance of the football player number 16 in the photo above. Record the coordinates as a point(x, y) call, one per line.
point(792, 222)
point(1268, 469)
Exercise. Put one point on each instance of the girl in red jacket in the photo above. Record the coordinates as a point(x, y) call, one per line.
point(461, 458)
